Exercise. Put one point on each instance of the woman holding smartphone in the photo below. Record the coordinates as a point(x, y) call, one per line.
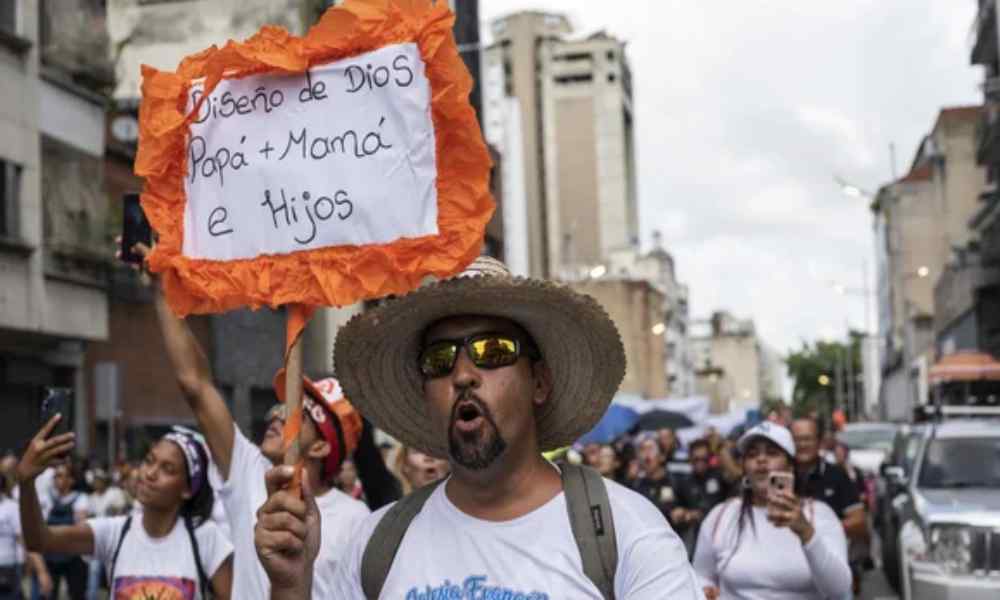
point(168, 550)
point(767, 544)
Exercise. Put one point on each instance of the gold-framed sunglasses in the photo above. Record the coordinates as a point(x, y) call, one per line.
point(485, 350)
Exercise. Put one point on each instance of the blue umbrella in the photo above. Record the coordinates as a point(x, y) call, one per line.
point(617, 420)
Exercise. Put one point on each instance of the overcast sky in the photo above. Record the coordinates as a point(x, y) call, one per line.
point(744, 113)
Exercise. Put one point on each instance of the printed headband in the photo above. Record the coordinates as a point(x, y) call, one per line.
point(197, 471)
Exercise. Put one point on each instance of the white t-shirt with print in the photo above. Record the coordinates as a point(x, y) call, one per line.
point(157, 567)
point(245, 492)
point(10, 530)
point(449, 554)
point(766, 562)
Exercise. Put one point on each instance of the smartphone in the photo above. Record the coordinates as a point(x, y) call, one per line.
point(58, 401)
point(781, 482)
point(135, 228)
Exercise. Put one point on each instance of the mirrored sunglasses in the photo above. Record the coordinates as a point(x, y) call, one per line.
point(485, 350)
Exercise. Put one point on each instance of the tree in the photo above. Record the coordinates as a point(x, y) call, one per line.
point(818, 368)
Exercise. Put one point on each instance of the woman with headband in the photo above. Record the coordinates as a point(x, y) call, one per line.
point(166, 550)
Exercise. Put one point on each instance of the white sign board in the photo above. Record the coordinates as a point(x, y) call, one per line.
point(341, 155)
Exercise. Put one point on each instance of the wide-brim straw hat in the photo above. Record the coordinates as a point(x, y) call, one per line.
point(376, 353)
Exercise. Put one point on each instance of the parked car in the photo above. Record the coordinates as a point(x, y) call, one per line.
point(899, 463)
point(948, 510)
point(869, 443)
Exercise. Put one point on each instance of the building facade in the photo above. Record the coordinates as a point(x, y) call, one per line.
point(733, 367)
point(636, 307)
point(981, 287)
point(53, 216)
point(570, 100)
point(657, 268)
point(922, 239)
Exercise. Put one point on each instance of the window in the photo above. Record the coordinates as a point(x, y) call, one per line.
point(10, 191)
point(8, 16)
point(611, 77)
point(574, 57)
point(570, 79)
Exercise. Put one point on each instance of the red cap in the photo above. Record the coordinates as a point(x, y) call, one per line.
point(334, 417)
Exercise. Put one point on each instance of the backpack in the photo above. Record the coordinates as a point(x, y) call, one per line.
point(189, 526)
point(61, 515)
point(590, 518)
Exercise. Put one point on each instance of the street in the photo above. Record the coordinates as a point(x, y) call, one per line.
point(875, 586)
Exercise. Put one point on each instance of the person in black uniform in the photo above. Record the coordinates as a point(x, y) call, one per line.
point(698, 493)
point(656, 482)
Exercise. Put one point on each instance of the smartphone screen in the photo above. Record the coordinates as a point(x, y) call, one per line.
point(58, 401)
point(135, 228)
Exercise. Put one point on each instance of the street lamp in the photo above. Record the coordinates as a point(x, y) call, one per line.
point(598, 272)
point(658, 329)
point(824, 380)
point(851, 190)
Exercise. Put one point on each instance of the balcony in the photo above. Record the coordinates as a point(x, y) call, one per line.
point(984, 50)
point(988, 136)
point(991, 89)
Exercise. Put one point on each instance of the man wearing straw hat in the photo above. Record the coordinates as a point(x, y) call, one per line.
point(488, 371)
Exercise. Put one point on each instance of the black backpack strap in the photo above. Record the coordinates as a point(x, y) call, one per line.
point(202, 578)
point(388, 535)
point(593, 525)
point(114, 557)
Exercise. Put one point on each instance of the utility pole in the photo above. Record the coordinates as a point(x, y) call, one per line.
point(838, 381)
point(852, 407)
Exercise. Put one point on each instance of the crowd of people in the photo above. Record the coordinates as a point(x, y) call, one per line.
point(689, 484)
point(485, 385)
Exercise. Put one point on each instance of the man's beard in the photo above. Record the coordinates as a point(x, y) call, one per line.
point(479, 449)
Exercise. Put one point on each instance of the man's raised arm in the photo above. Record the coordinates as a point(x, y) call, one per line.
point(194, 375)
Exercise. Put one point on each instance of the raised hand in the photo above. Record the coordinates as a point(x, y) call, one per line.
point(784, 509)
point(43, 451)
point(142, 250)
point(287, 535)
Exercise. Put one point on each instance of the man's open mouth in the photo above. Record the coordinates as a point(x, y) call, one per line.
point(468, 416)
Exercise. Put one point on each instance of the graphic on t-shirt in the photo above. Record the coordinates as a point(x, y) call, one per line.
point(475, 587)
point(154, 588)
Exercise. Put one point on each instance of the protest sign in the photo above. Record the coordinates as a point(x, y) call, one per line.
point(322, 170)
point(343, 165)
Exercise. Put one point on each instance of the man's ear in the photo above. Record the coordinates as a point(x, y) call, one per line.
point(319, 449)
point(543, 382)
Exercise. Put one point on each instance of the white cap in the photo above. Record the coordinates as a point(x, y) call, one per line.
point(769, 431)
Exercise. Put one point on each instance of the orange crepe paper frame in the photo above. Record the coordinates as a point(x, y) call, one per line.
point(339, 275)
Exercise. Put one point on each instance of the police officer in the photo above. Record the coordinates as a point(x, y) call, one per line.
point(656, 484)
point(699, 493)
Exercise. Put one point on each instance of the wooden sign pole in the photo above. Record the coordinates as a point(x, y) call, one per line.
point(293, 397)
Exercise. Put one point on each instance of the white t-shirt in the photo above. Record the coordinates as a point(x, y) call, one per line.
point(10, 531)
point(113, 500)
point(245, 492)
point(771, 563)
point(449, 554)
point(45, 483)
point(161, 567)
